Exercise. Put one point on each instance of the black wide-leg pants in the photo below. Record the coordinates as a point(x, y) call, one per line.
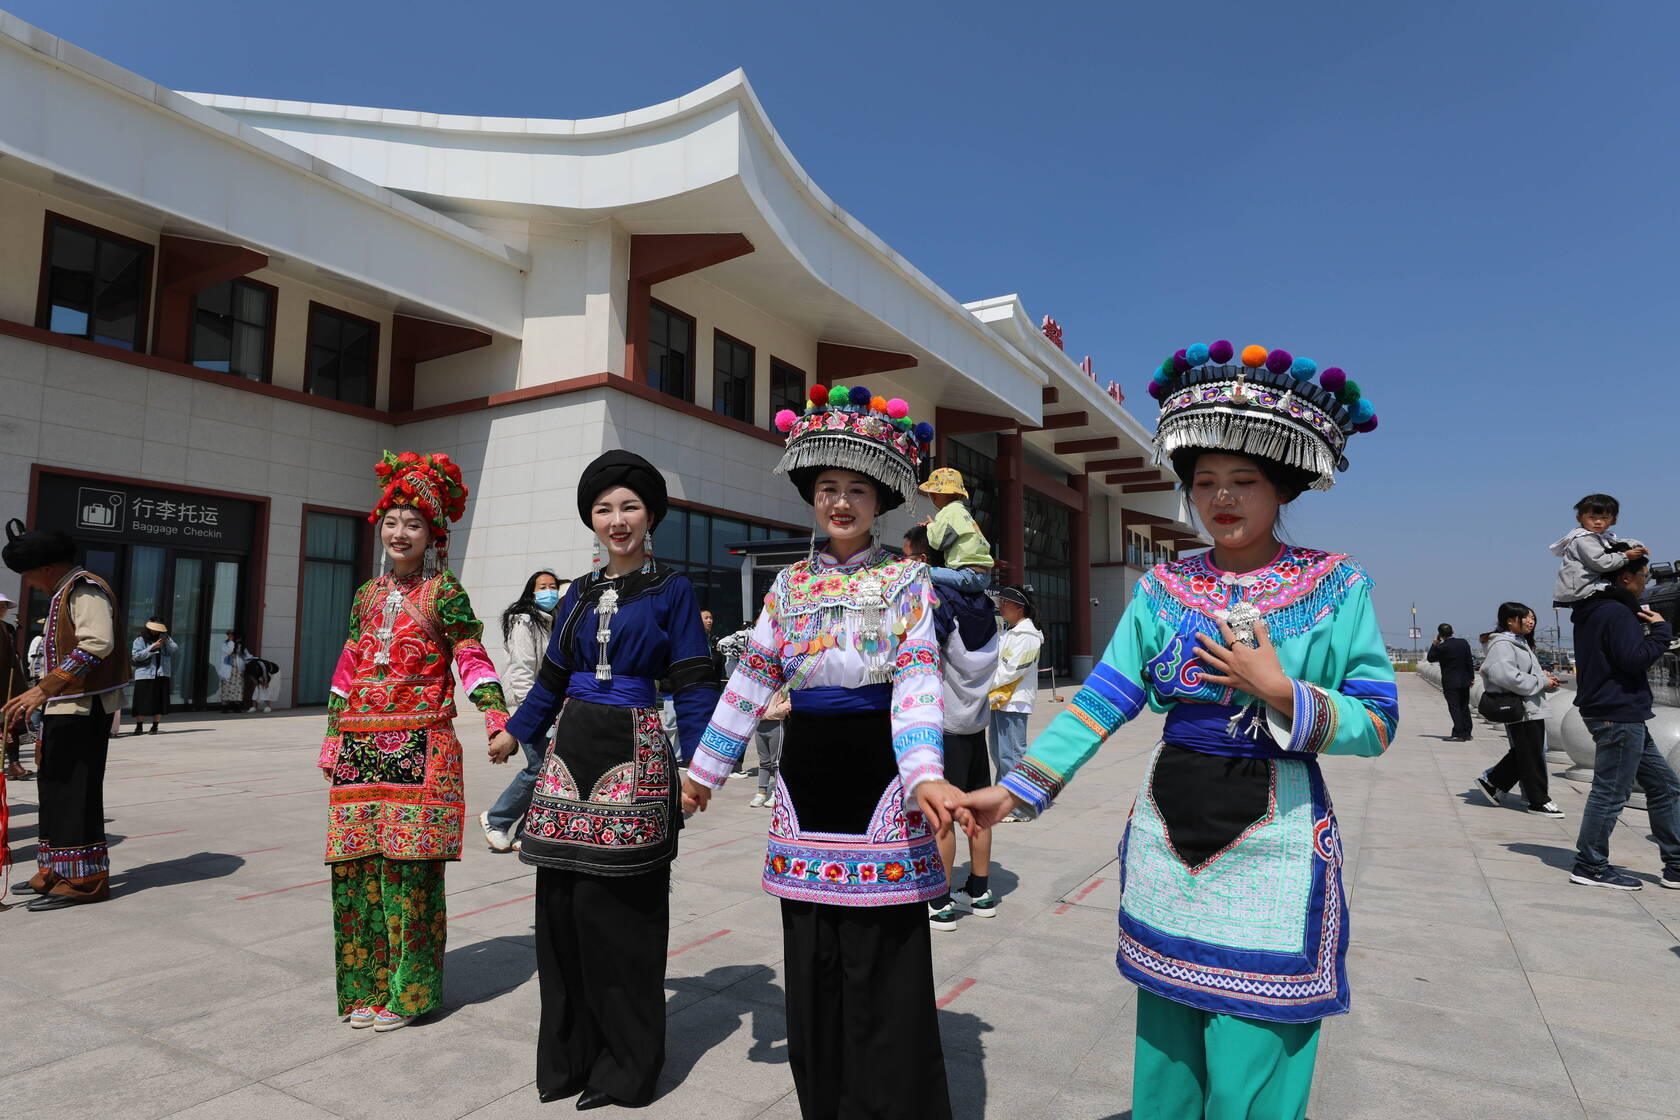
point(863, 1033)
point(601, 944)
point(70, 783)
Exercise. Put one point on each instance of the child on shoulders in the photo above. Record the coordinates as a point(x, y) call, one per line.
point(1591, 551)
point(953, 531)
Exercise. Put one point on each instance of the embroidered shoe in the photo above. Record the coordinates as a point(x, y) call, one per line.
point(1609, 877)
point(1489, 790)
point(1671, 878)
point(982, 905)
point(361, 1017)
point(757, 801)
point(942, 919)
point(495, 837)
point(386, 1020)
point(1549, 809)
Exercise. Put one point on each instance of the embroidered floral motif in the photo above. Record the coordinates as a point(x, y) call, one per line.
point(617, 786)
point(556, 780)
point(1295, 592)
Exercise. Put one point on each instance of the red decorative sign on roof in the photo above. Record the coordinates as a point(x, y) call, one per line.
point(1053, 331)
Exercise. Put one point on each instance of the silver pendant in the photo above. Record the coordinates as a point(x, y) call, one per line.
point(604, 611)
point(1242, 618)
point(869, 599)
point(387, 626)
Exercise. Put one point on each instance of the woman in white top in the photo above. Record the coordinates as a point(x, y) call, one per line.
point(525, 630)
point(1015, 683)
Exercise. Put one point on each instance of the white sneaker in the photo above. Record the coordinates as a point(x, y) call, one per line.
point(495, 837)
point(770, 802)
point(267, 709)
point(757, 801)
point(251, 709)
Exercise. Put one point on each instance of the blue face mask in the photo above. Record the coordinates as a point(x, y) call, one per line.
point(548, 598)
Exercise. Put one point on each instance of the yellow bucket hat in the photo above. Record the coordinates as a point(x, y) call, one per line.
point(945, 480)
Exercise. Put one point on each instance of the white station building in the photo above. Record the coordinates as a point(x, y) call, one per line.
point(216, 311)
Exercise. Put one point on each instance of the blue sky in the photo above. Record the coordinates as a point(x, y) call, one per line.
point(1470, 207)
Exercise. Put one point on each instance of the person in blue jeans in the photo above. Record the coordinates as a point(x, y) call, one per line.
point(1616, 643)
point(525, 629)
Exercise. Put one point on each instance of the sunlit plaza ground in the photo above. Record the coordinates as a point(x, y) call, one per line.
point(1485, 985)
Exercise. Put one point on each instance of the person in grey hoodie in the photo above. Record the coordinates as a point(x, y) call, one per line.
point(1511, 665)
point(1591, 552)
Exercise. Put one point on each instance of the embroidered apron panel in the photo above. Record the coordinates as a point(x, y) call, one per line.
point(1207, 801)
point(1254, 894)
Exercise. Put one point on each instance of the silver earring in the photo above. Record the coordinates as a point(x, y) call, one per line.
point(430, 563)
point(647, 542)
point(811, 552)
point(595, 554)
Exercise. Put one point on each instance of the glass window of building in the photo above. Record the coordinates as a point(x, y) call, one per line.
point(670, 352)
point(697, 544)
point(95, 284)
point(233, 329)
point(787, 388)
point(1049, 559)
point(732, 377)
point(343, 358)
point(979, 472)
point(332, 552)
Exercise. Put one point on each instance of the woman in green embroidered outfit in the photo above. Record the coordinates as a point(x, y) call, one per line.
point(391, 753)
point(1233, 922)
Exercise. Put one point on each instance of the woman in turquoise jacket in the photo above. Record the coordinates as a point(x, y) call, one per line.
point(1233, 921)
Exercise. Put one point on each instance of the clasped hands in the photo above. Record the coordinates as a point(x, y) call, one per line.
point(942, 803)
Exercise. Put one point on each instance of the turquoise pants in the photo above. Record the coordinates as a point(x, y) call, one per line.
point(1195, 1065)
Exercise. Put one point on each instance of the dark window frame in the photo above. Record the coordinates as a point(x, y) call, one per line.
point(798, 403)
point(273, 294)
point(43, 294)
point(693, 342)
point(309, 347)
point(752, 374)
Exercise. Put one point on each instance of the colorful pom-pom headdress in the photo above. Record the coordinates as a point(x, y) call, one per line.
point(1261, 402)
point(851, 429)
point(429, 483)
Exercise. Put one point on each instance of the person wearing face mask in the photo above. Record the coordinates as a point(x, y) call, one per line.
point(849, 634)
point(390, 753)
point(525, 629)
point(1263, 655)
point(602, 827)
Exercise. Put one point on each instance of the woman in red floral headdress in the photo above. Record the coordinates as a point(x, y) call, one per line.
point(391, 753)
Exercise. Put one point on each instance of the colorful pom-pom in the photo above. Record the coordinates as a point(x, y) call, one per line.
point(1361, 411)
point(1254, 356)
point(1302, 369)
point(898, 408)
point(924, 432)
point(860, 395)
point(1156, 389)
point(1165, 369)
point(1196, 355)
point(1368, 426)
point(1279, 361)
point(1179, 362)
point(839, 395)
point(877, 404)
point(1221, 351)
point(1333, 378)
point(1162, 377)
point(819, 394)
point(1350, 393)
point(785, 419)
point(903, 423)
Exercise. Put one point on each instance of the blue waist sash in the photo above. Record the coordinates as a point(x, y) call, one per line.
point(834, 700)
point(620, 692)
point(1204, 728)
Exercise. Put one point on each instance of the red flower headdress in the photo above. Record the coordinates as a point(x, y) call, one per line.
point(430, 483)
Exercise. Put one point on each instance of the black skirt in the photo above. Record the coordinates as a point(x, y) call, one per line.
point(605, 802)
point(151, 697)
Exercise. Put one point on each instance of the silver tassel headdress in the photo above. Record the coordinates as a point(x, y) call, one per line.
point(1266, 404)
point(851, 429)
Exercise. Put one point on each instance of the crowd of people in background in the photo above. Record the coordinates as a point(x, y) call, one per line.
point(1617, 639)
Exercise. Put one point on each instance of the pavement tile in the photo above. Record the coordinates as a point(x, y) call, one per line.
point(1617, 1068)
point(253, 1102)
point(136, 1079)
point(1462, 1044)
point(1368, 1088)
point(267, 1034)
point(1638, 1010)
point(1442, 980)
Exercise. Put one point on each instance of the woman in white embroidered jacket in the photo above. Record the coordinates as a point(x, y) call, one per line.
point(861, 792)
point(1233, 923)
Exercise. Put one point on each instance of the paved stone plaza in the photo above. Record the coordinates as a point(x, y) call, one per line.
point(1485, 985)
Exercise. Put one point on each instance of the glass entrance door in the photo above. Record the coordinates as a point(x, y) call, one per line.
point(204, 607)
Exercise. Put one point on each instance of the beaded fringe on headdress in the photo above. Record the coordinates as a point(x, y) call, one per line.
point(1248, 432)
point(844, 451)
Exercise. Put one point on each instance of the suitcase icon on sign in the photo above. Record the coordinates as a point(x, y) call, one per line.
point(101, 510)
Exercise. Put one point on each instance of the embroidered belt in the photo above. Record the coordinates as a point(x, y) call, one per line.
point(1206, 729)
point(620, 692)
point(830, 700)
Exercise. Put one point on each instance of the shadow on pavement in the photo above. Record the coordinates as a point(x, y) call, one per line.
point(174, 872)
point(965, 1061)
point(1561, 858)
point(755, 996)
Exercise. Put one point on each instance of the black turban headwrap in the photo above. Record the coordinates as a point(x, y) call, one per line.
point(622, 468)
point(27, 550)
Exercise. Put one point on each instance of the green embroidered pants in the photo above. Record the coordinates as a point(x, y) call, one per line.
point(1194, 1064)
point(389, 925)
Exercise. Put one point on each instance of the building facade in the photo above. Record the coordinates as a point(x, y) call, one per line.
point(216, 311)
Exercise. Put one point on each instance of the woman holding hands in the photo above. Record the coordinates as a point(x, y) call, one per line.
point(1233, 922)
